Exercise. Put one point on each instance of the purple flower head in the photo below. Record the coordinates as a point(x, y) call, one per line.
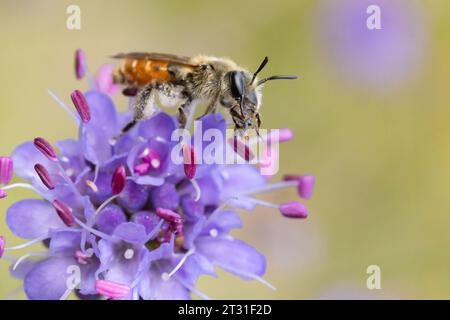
point(120, 219)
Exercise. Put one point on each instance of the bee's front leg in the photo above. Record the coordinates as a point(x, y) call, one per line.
point(211, 108)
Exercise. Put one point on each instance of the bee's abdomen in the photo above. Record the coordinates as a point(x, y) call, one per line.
point(139, 72)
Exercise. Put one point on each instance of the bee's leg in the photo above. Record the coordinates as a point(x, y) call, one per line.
point(210, 109)
point(183, 112)
point(139, 108)
point(238, 121)
point(130, 91)
point(258, 124)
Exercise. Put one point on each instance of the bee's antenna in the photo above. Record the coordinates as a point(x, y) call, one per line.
point(288, 77)
point(261, 66)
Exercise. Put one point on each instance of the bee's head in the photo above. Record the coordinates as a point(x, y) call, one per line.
point(244, 89)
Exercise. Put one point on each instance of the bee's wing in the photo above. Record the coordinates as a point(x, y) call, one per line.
point(155, 56)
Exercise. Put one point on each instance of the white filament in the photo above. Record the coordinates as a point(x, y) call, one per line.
point(166, 276)
point(198, 192)
point(64, 106)
point(94, 231)
point(271, 187)
point(26, 256)
point(27, 244)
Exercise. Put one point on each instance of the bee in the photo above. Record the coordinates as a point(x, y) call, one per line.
point(216, 81)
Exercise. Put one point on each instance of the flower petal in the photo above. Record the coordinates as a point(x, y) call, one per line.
point(71, 156)
point(95, 136)
point(223, 221)
point(48, 279)
point(104, 80)
point(133, 197)
point(238, 179)
point(32, 218)
point(25, 156)
point(65, 242)
point(160, 125)
point(195, 266)
point(153, 287)
point(131, 232)
point(109, 218)
point(234, 256)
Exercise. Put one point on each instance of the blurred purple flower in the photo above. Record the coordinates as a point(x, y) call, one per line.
point(377, 58)
point(121, 220)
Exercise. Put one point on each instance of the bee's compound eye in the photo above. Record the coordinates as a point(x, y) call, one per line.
point(236, 83)
point(251, 96)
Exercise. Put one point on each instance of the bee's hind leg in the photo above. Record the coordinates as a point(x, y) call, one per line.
point(140, 106)
point(183, 113)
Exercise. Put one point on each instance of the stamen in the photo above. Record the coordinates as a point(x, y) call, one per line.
point(82, 67)
point(260, 202)
point(20, 185)
point(64, 212)
point(193, 289)
point(168, 215)
point(2, 246)
point(94, 231)
point(290, 209)
point(64, 106)
point(284, 135)
point(6, 170)
point(46, 149)
point(69, 181)
point(80, 64)
point(198, 191)
point(305, 185)
point(102, 206)
point(272, 187)
point(27, 255)
point(155, 231)
point(241, 148)
point(166, 276)
point(189, 161)
point(66, 294)
point(27, 244)
point(118, 180)
point(293, 210)
point(111, 289)
point(129, 254)
point(261, 280)
point(44, 175)
point(81, 105)
point(92, 185)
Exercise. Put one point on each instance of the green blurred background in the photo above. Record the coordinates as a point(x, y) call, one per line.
point(378, 146)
